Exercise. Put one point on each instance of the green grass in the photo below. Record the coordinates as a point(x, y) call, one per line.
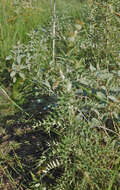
point(17, 19)
point(59, 125)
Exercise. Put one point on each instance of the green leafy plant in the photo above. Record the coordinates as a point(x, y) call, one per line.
point(70, 138)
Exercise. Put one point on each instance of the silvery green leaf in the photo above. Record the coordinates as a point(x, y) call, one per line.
point(109, 81)
point(101, 106)
point(8, 58)
point(71, 39)
point(119, 64)
point(37, 93)
point(78, 26)
point(114, 71)
point(104, 74)
point(92, 68)
point(47, 84)
point(69, 86)
point(37, 185)
point(29, 66)
point(113, 98)
point(116, 115)
point(13, 66)
point(16, 68)
point(98, 66)
point(14, 79)
point(103, 87)
point(12, 74)
point(95, 122)
point(22, 75)
point(79, 117)
point(119, 73)
point(84, 81)
point(18, 59)
point(79, 91)
point(22, 66)
point(40, 100)
point(101, 96)
point(62, 75)
point(115, 88)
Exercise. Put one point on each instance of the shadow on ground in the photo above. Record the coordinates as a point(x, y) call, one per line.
point(21, 147)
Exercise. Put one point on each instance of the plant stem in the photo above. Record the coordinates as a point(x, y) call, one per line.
point(54, 23)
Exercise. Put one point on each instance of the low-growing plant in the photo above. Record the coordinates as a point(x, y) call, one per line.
point(70, 137)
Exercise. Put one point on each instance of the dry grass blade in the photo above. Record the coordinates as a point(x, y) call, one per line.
point(106, 129)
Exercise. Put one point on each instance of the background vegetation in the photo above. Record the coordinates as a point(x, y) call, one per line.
point(59, 124)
